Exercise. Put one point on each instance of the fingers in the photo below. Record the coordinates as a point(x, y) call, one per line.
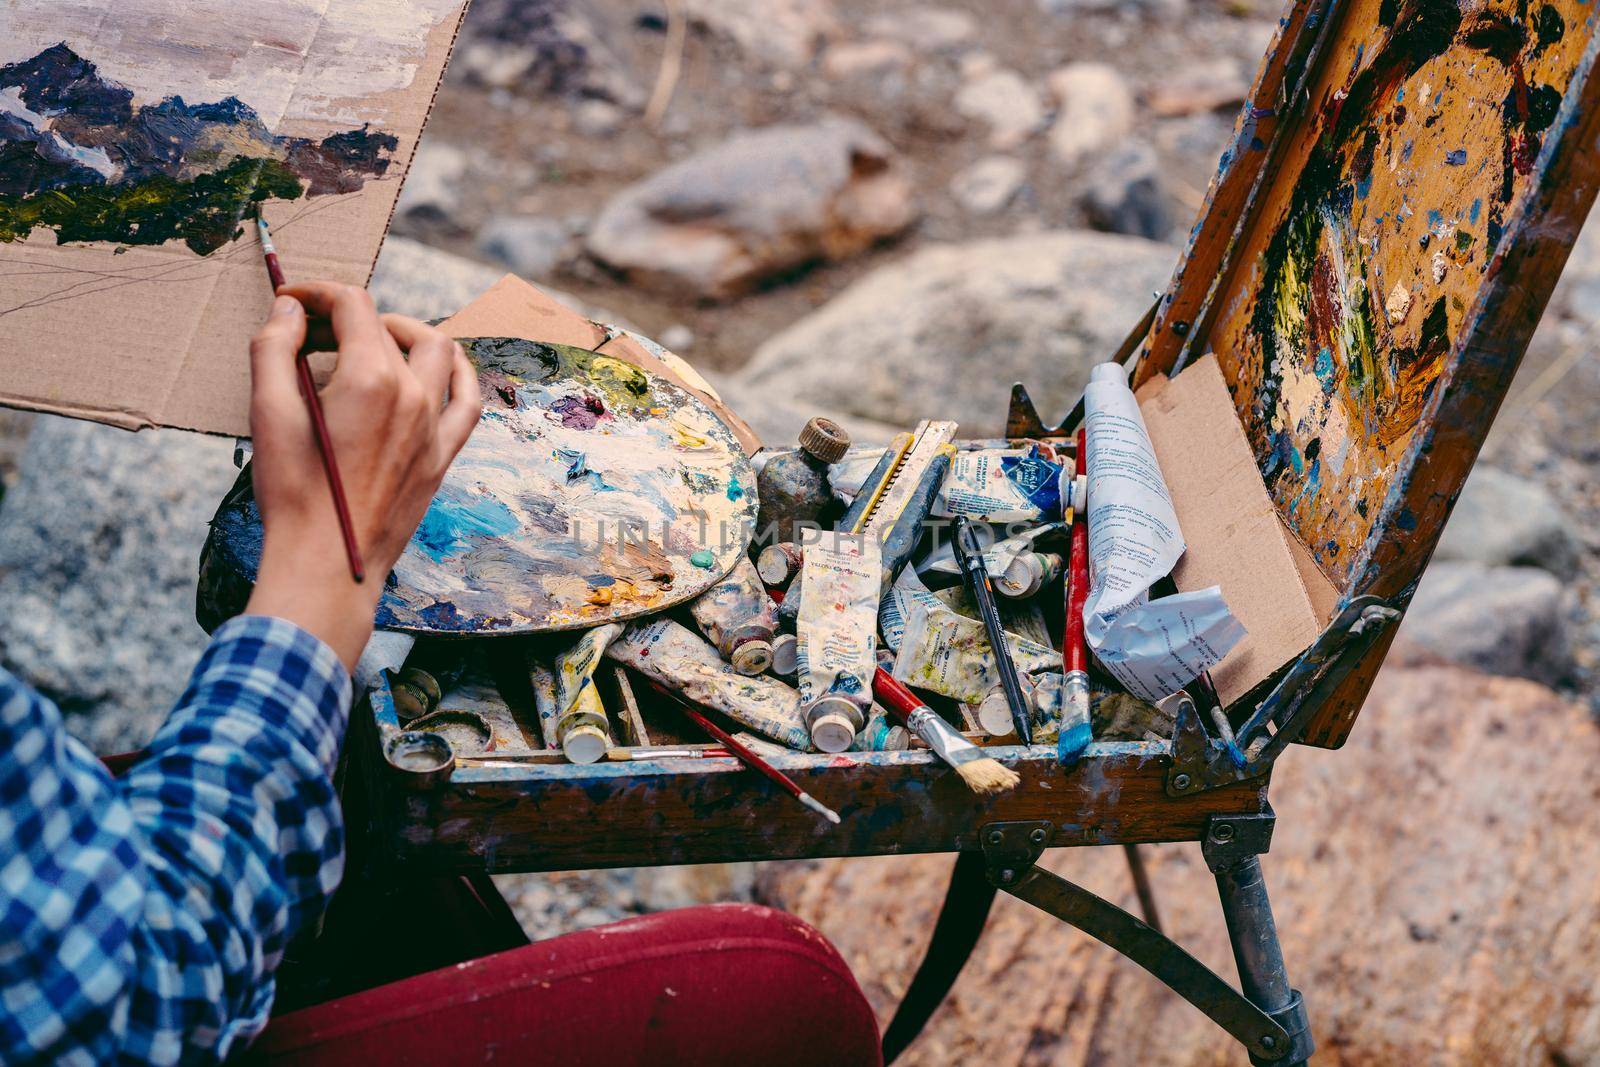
point(274, 387)
point(432, 353)
point(364, 345)
point(461, 413)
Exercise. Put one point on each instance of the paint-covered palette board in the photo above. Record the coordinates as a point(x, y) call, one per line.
point(590, 491)
point(1356, 272)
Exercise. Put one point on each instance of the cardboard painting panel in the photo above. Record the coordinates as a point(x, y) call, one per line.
point(137, 138)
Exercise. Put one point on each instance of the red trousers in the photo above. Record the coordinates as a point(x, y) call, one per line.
point(728, 984)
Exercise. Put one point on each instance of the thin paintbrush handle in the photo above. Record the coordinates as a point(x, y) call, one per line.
point(977, 575)
point(1077, 651)
point(319, 426)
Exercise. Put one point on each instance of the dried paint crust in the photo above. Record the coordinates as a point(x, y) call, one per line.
point(591, 492)
point(1417, 145)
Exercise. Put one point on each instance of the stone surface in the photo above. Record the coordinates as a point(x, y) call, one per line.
point(1004, 102)
point(435, 187)
point(782, 32)
point(427, 283)
point(927, 29)
point(944, 332)
point(1096, 110)
point(100, 541)
point(759, 204)
point(549, 48)
point(1505, 520)
point(529, 246)
point(989, 185)
point(865, 59)
point(1208, 85)
point(1504, 620)
point(1433, 883)
point(1123, 193)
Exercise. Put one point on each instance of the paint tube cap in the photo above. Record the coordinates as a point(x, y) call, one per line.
point(1023, 577)
point(833, 721)
point(409, 701)
point(585, 744)
point(785, 655)
point(898, 739)
point(824, 439)
point(752, 655)
point(778, 563)
point(994, 714)
point(1080, 494)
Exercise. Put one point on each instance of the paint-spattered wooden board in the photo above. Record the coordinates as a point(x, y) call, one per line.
point(591, 491)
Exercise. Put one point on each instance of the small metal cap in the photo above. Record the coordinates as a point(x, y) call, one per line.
point(785, 655)
point(833, 722)
point(752, 657)
point(825, 439)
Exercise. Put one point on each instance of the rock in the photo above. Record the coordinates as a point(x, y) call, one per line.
point(865, 59)
point(927, 29)
point(1503, 620)
point(548, 47)
point(435, 187)
point(1039, 309)
point(1433, 885)
point(14, 427)
point(1096, 110)
point(529, 246)
point(1501, 519)
point(759, 204)
point(597, 118)
point(99, 546)
point(782, 32)
point(1123, 193)
point(1214, 85)
point(989, 185)
point(426, 283)
point(1005, 102)
point(676, 338)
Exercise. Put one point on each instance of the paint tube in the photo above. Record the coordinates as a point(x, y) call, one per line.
point(1028, 573)
point(847, 476)
point(785, 656)
point(1002, 485)
point(779, 563)
point(949, 654)
point(675, 656)
point(996, 558)
point(881, 734)
point(739, 618)
point(543, 681)
point(581, 725)
point(837, 628)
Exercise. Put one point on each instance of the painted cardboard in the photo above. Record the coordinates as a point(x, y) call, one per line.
point(1235, 536)
point(121, 329)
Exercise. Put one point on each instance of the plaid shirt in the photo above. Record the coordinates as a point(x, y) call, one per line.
point(141, 918)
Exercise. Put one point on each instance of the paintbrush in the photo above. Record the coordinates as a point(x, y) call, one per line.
point(982, 774)
point(969, 554)
point(746, 755)
point(319, 425)
point(1074, 647)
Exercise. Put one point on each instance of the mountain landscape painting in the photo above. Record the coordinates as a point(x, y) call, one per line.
point(139, 138)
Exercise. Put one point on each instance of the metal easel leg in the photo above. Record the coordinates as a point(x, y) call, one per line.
point(961, 921)
point(1232, 850)
point(1276, 1035)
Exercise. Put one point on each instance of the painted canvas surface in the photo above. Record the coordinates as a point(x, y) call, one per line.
point(137, 139)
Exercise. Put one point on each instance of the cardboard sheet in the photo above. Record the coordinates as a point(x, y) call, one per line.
point(137, 136)
point(1235, 537)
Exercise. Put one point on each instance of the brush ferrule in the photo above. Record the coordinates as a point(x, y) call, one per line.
point(945, 740)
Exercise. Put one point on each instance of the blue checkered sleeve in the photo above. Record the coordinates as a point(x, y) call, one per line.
point(141, 919)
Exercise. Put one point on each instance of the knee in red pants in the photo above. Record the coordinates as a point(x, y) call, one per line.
point(728, 984)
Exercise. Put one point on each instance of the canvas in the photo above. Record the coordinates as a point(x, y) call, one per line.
point(137, 140)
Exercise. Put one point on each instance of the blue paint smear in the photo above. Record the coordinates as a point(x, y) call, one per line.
point(1296, 460)
point(1324, 369)
point(1456, 157)
point(1434, 219)
point(1406, 520)
point(1473, 212)
point(735, 490)
point(456, 521)
point(1400, 95)
point(1363, 187)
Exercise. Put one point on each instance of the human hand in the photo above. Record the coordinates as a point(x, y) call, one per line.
point(394, 433)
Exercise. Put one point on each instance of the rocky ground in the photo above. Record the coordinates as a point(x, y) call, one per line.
point(970, 194)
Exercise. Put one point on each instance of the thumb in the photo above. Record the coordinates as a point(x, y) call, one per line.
point(274, 387)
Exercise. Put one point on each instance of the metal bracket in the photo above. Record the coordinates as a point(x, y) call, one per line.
point(1201, 760)
point(1011, 851)
point(1231, 838)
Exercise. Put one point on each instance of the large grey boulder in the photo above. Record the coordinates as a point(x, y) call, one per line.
point(415, 279)
point(761, 203)
point(1505, 520)
point(99, 543)
point(1503, 620)
point(944, 333)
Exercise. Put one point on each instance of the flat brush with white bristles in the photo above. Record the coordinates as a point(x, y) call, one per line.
point(982, 774)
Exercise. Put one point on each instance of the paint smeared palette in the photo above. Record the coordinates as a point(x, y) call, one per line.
point(590, 491)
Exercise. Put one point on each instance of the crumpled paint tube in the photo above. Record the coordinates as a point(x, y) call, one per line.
point(739, 618)
point(837, 627)
point(949, 654)
point(847, 476)
point(881, 734)
point(997, 557)
point(1001, 485)
point(675, 656)
point(1152, 647)
point(543, 680)
point(907, 590)
point(581, 725)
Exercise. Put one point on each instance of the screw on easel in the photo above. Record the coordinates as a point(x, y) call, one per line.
point(995, 837)
point(1223, 831)
point(1180, 782)
point(1038, 836)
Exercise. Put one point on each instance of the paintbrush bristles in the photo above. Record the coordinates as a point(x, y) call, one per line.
point(986, 776)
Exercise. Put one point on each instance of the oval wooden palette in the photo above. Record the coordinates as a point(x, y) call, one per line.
point(591, 491)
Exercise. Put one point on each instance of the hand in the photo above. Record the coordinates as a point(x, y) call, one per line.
point(395, 423)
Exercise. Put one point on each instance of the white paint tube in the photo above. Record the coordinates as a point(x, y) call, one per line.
point(997, 557)
point(949, 654)
point(847, 476)
point(543, 680)
point(581, 727)
point(1002, 485)
point(739, 618)
point(1153, 648)
point(837, 629)
point(676, 657)
point(908, 590)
